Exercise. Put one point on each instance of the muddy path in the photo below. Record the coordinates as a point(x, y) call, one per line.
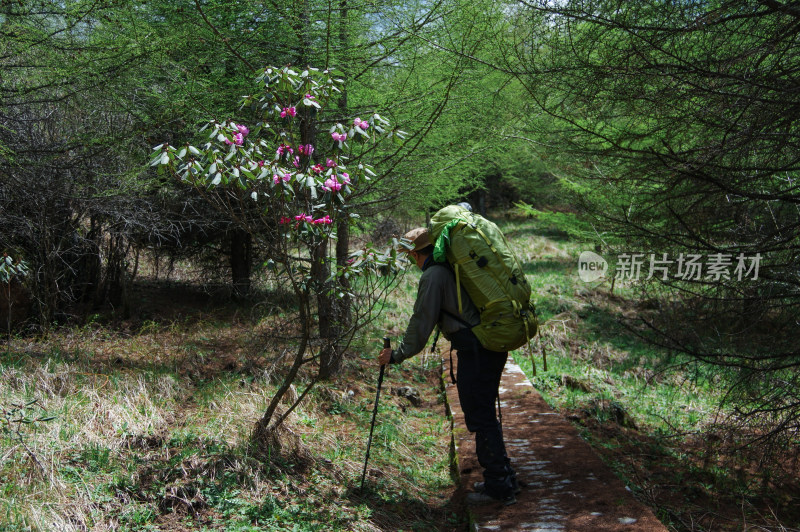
point(566, 486)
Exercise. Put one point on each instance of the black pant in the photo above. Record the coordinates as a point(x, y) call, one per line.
point(478, 380)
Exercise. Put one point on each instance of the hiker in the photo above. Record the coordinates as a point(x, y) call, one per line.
point(479, 369)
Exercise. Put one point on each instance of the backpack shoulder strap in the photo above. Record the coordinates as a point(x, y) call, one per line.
point(456, 317)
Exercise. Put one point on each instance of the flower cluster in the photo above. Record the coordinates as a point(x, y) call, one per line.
point(286, 177)
point(361, 124)
point(291, 111)
point(307, 218)
point(339, 136)
point(238, 137)
point(284, 148)
point(325, 220)
point(305, 149)
point(332, 184)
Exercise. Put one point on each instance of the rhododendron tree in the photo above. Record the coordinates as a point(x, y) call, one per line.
point(299, 188)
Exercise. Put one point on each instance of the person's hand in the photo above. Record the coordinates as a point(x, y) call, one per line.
point(385, 356)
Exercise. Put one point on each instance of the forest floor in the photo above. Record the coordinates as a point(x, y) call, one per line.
point(144, 423)
point(151, 421)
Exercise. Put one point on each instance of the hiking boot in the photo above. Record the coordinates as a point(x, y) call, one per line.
point(479, 486)
point(481, 497)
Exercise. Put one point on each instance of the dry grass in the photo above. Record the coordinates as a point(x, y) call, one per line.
point(151, 428)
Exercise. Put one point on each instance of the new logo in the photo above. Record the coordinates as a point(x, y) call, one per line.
point(591, 266)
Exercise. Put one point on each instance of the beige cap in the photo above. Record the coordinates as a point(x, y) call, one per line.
point(415, 240)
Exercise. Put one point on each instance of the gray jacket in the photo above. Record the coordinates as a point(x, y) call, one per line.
point(437, 291)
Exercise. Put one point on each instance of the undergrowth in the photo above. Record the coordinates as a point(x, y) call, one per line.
point(149, 429)
point(657, 418)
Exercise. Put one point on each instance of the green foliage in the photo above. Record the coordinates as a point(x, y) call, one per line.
point(569, 223)
point(300, 187)
point(10, 268)
point(20, 418)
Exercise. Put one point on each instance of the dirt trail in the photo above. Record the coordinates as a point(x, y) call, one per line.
point(566, 485)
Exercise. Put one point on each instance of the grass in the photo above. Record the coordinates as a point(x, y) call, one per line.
point(151, 421)
point(148, 429)
point(653, 416)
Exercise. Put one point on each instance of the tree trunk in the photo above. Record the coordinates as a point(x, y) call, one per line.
point(266, 433)
point(337, 308)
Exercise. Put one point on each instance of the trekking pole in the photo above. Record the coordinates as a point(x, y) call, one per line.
point(386, 345)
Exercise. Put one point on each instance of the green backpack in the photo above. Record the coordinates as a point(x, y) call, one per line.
point(491, 274)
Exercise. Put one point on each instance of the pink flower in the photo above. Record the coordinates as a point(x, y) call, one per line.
point(305, 149)
point(331, 185)
point(228, 142)
point(261, 164)
point(362, 124)
point(303, 217)
point(296, 161)
point(291, 111)
point(330, 163)
point(339, 136)
point(309, 97)
point(285, 220)
point(345, 178)
point(243, 129)
point(285, 178)
point(317, 168)
point(325, 220)
point(283, 148)
point(238, 139)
